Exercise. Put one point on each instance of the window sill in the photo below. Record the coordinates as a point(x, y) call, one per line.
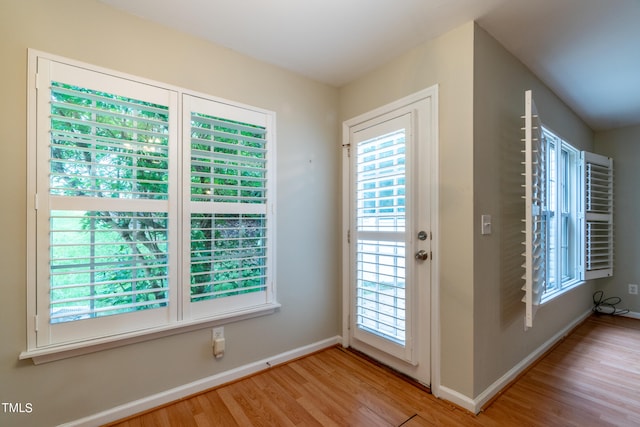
point(59, 352)
point(554, 294)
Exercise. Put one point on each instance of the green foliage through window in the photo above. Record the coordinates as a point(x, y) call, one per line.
point(228, 255)
point(227, 161)
point(228, 167)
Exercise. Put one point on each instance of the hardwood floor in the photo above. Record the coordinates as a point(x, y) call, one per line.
point(592, 378)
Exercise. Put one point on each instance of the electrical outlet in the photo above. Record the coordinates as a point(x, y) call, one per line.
point(633, 289)
point(218, 333)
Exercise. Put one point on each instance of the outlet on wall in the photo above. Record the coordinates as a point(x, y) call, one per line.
point(633, 289)
point(218, 333)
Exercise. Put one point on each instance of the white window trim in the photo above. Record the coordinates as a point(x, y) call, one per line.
point(59, 352)
point(179, 324)
point(550, 296)
point(578, 279)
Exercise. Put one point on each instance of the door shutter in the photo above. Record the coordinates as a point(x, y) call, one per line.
point(598, 211)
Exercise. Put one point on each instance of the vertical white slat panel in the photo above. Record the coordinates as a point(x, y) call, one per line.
point(535, 217)
point(598, 209)
point(105, 178)
point(229, 258)
point(382, 216)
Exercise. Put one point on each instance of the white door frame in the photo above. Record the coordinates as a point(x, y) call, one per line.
point(430, 93)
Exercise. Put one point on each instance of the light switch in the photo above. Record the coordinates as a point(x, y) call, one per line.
point(485, 224)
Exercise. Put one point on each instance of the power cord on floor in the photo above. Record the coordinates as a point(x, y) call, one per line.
point(607, 305)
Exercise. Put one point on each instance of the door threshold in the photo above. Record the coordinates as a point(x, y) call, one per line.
point(411, 380)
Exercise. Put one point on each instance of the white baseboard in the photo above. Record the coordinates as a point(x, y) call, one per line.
point(513, 373)
point(198, 386)
point(632, 314)
point(475, 405)
point(450, 395)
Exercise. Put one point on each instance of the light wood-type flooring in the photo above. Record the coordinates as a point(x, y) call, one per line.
point(591, 378)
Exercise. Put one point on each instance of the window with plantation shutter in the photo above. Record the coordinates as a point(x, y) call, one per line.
point(104, 185)
point(230, 253)
point(598, 212)
point(568, 214)
point(151, 209)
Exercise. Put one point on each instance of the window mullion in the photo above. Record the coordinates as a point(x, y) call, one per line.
point(558, 196)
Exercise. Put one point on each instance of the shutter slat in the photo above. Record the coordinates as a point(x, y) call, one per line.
point(124, 116)
point(233, 163)
point(220, 139)
point(95, 96)
point(129, 146)
point(70, 313)
point(227, 124)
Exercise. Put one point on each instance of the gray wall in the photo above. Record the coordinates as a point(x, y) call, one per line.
point(308, 196)
point(500, 81)
point(623, 145)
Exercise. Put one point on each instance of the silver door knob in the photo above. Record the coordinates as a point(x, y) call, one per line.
point(422, 255)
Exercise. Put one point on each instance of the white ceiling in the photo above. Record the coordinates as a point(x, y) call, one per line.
point(587, 51)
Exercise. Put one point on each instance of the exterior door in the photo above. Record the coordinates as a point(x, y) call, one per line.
point(390, 236)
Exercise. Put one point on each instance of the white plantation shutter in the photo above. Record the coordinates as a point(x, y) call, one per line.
point(598, 212)
point(137, 226)
point(535, 221)
point(568, 233)
point(228, 162)
point(104, 217)
point(380, 231)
